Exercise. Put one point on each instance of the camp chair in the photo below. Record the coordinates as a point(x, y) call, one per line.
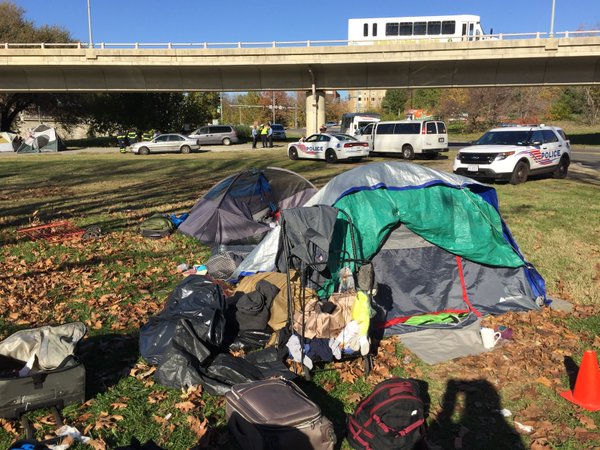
point(306, 236)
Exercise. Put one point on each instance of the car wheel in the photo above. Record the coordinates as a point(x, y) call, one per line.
point(330, 156)
point(520, 173)
point(185, 149)
point(144, 151)
point(561, 170)
point(293, 153)
point(226, 141)
point(408, 152)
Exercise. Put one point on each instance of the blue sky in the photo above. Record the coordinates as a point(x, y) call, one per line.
point(186, 21)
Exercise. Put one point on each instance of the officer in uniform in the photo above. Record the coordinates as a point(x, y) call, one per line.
point(147, 135)
point(132, 136)
point(122, 140)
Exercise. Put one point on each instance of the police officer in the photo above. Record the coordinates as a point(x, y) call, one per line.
point(122, 140)
point(132, 136)
point(147, 135)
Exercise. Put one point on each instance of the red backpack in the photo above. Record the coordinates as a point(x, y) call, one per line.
point(391, 417)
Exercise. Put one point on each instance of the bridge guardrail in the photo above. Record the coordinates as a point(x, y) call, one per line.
point(285, 44)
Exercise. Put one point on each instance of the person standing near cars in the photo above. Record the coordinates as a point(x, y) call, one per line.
point(122, 140)
point(263, 135)
point(132, 137)
point(270, 135)
point(254, 135)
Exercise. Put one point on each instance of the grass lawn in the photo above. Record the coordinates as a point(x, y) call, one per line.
point(116, 282)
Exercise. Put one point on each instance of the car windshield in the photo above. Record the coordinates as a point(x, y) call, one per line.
point(277, 127)
point(344, 137)
point(505, 138)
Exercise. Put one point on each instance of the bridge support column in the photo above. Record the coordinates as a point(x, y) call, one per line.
point(315, 111)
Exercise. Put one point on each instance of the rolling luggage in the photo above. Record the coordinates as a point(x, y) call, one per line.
point(275, 414)
point(38, 369)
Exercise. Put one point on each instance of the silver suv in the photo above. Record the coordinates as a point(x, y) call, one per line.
point(513, 153)
point(215, 134)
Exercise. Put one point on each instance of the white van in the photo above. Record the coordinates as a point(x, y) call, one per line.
point(409, 137)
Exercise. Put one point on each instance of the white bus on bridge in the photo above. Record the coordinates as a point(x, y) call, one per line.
point(442, 28)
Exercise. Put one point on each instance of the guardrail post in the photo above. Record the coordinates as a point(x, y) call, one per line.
point(102, 46)
point(42, 45)
point(137, 45)
point(169, 45)
point(566, 34)
point(239, 45)
point(500, 36)
point(6, 45)
point(205, 45)
point(274, 44)
point(308, 43)
point(537, 35)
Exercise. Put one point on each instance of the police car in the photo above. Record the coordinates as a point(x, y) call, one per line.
point(329, 146)
point(513, 153)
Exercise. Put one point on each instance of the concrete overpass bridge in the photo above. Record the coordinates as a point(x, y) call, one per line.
point(299, 66)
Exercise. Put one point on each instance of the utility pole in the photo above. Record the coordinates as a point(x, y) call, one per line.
point(221, 108)
point(552, 19)
point(91, 45)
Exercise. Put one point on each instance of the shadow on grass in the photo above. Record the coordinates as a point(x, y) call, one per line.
point(471, 418)
point(107, 358)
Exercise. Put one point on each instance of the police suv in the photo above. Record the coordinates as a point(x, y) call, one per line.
point(512, 153)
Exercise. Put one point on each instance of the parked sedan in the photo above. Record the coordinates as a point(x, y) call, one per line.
point(166, 143)
point(329, 146)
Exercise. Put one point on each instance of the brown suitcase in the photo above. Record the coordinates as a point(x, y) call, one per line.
point(275, 414)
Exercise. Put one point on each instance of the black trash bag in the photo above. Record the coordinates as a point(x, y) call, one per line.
point(227, 370)
point(195, 298)
point(270, 362)
point(250, 340)
point(180, 365)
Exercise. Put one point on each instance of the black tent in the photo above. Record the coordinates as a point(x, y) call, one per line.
point(243, 207)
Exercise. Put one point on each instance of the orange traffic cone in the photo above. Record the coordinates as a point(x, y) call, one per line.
point(587, 386)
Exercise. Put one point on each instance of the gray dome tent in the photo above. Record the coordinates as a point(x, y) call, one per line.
point(241, 208)
point(42, 139)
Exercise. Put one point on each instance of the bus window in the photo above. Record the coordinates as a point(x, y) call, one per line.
point(420, 28)
point(470, 31)
point(406, 28)
point(366, 29)
point(391, 29)
point(464, 29)
point(448, 27)
point(374, 29)
point(434, 28)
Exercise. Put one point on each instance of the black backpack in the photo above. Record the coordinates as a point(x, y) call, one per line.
point(391, 417)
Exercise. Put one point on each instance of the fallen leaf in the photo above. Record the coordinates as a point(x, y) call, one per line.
point(588, 422)
point(186, 406)
point(118, 405)
point(197, 426)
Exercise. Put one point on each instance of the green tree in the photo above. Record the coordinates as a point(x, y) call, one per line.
point(426, 99)
point(15, 29)
point(107, 113)
point(394, 103)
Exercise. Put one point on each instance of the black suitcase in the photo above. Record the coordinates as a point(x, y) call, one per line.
point(44, 389)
